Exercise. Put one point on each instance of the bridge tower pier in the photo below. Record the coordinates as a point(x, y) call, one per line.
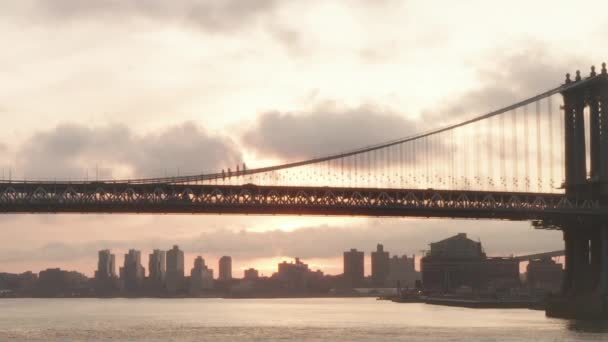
point(585, 284)
point(604, 264)
point(584, 261)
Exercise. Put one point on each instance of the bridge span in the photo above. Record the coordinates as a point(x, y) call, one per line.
point(97, 197)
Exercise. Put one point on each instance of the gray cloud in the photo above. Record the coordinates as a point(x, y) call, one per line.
point(323, 130)
point(511, 78)
point(398, 236)
point(329, 129)
point(68, 149)
point(209, 15)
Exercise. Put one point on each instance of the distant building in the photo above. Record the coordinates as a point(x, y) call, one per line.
point(18, 283)
point(457, 247)
point(106, 265)
point(57, 282)
point(251, 274)
point(458, 262)
point(380, 266)
point(353, 268)
point(157, 268)
point(225, 268)
point(175, 270)
point(293, 274)
point(402, 272)
point(544, 274)
point(106, 282)
point(132, 273)
point(201, 277)
point(296, 276)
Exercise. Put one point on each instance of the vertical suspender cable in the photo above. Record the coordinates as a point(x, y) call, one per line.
point(562, 144)
point(477, 153)
point(503, 169)
point(465, 145)
point(490, 160)
point(526, 150)
point(551, 145)
point(452, 153)
point(426, 160)
point(413, 163)
point(514, 138)
point(401, 168)
point(539, 165)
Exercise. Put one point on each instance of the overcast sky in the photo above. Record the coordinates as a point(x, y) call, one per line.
point(144, 88)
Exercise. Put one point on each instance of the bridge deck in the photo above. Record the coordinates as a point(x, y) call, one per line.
point(96, 197)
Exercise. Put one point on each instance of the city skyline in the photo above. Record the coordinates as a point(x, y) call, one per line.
point(114, 258)
point(109, 262)
point(453, 264)
point(403, 234)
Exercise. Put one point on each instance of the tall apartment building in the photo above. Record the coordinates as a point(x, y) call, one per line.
point(225, 266)
point(175, 270)
point(353, 267)
point(106, 265)
point(157, 268)
point(380, 266)
point(132, 273)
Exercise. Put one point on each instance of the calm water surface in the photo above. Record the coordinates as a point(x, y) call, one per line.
point(357, 319)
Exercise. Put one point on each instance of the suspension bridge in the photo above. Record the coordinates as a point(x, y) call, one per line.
point(543, 159)
point(527, 161)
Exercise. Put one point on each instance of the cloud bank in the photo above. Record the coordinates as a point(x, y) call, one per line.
point(208, 15)
point(67, 150)
point(325, 129)
point(510, 79)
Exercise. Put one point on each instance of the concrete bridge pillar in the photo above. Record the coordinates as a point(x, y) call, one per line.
point(567, 283)
point(595, 258)
point(581, 262)
point(604, 263)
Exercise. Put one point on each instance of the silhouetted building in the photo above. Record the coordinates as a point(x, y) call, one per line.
point(296, 276)
point(544, 274)
point(56, 282)
point(458, 262)
point(500, 273)
point(251, 274)
point(157, 269)
point(201, 277)
point(293, 275)
point(457, 247)
point(225, 266)
point(17, 283)
point(353, 267)
point(132, 273)
point(380, 266)
point(175, 270)
point(106, 282)
point(106, 265)
point(402, 271)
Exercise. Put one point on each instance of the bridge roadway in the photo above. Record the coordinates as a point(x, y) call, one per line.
point(165, 198)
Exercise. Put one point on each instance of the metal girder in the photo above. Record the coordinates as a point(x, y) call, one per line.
point(98, 197)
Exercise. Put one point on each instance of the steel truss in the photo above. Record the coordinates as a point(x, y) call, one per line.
point(94, 197)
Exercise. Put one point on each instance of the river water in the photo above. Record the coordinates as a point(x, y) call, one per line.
point(327, 319)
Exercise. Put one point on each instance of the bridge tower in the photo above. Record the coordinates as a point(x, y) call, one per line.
point(591, 98)
point(586, 243)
